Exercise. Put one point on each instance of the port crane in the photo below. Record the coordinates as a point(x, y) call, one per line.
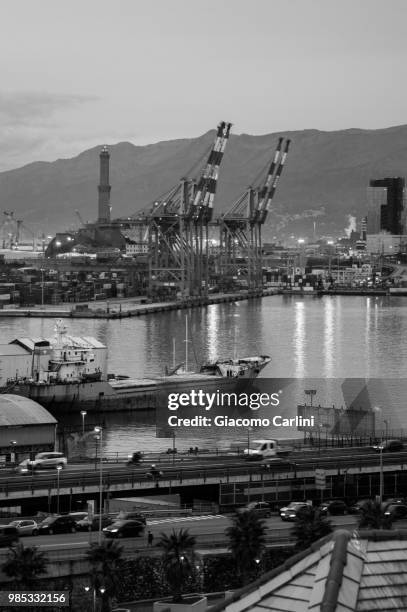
point(178, 228)
point(241, 226)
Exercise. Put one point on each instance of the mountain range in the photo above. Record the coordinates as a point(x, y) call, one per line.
point(322, 188)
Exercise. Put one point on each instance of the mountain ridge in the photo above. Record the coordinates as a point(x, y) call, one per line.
point(326, 172)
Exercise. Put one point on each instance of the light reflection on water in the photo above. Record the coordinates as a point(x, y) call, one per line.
point(339, 336)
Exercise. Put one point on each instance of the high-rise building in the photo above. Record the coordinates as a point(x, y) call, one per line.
point(386, 200)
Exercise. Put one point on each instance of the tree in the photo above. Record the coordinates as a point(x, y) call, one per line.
point(106, 562)
point(178, 560)
point(25, 564)
point(310, 525)
point(246, 543)
point(372, 516)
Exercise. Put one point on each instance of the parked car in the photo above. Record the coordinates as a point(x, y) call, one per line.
point(57, 524)
point(334, 506)
point(8, 535)
point(25, 527)
point(289, 513)
point(134, 516)
point(78, 516)
point(261, 509)
point(389, 446)
point(124, 529)
point(396, 511)
point(356, 508)
point(92, 524)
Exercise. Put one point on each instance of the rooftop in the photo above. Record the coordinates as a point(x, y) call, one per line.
point(361, 572)
point(16, 410)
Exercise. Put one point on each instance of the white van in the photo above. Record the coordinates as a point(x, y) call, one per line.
point(260, 449)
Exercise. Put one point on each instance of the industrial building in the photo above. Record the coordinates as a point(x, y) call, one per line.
point(386, 216)
point(386, 206)
point(26, 428)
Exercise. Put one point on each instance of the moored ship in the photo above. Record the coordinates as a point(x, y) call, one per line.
point(70, 374)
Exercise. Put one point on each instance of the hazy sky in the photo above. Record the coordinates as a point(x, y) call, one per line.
point(83, 72)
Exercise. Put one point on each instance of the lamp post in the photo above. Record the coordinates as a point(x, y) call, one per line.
point(12, 453)
point(387, 428)
point(59, 468)
point(380, 448)
point(99, 431)
point(83, 414)
point(101, 591)
point(42, 286)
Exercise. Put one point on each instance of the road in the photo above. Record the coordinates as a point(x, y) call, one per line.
point(209, 531)
point(87, 474)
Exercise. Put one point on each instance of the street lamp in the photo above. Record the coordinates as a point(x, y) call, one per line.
point(42, 286)
point(387, 428)
point(380, 448)
point(59, 468)
point(99, 431)
point(101, 591)
point(83, 414)
point(12, 454)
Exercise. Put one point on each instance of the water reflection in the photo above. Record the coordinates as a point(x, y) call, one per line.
point(299, 340)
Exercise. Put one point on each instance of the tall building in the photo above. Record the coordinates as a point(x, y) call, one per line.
point(386, 199)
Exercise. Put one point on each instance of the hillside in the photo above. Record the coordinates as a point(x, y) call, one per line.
point(325, 178)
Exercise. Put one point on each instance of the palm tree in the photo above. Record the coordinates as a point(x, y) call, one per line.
point(246, 542)
point(372, 516)
point(25, 564)
point(178, 558)
point(106, 562)
point(310, 525)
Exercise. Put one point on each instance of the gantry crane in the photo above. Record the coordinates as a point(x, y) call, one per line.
point(241, 226)
point(178, 229)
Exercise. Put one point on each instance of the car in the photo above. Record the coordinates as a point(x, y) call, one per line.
point(134, 516)
point(8, 535)
point(57, 524)
point(334, 506)
point(289, 513)
point(25, 527)
point(396, 512)
point(92, 524)
point(43, 461)
point(124, 529)
point(389, 446)
point(261, 509)
point(78, 516)
point(356, 508)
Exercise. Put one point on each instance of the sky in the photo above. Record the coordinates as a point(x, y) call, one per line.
point(81, 73)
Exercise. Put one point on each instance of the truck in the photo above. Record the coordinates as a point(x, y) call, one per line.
point(265, 449)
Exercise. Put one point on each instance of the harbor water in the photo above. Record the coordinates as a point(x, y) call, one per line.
point(335, 337)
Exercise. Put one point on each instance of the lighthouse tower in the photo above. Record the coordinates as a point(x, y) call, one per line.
point(104, 188)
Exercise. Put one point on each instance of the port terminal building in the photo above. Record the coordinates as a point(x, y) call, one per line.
point(26, 428)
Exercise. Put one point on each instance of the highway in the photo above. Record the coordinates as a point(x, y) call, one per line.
point(87, 474)
point(209, 531)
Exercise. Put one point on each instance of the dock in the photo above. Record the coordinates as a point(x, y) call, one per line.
point(121, 309)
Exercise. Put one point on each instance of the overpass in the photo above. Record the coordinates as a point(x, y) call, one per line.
point(225, 480)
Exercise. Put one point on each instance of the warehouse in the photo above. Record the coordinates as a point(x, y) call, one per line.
point(26, 428)
point(15, 362)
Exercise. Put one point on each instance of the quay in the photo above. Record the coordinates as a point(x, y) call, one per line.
point(118, 309)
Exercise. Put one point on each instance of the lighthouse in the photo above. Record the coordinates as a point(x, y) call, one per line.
point(104, 188)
